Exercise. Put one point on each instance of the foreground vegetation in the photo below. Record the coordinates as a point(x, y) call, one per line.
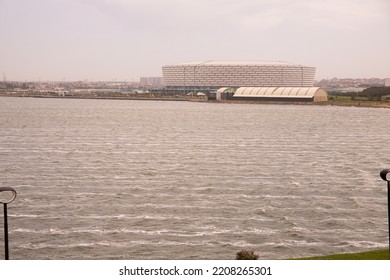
point(369, 255)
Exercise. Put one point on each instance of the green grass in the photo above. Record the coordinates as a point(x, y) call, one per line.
point(342, 98)
point(337, 98)
point(369, 255)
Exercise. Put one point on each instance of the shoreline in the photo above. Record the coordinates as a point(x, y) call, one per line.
point(374, 254)
point(364, 104)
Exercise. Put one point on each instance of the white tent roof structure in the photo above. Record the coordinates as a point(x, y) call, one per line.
point(221, 90)
point(315, 93)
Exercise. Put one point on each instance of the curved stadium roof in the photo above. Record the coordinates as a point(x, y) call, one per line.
point(238, 62)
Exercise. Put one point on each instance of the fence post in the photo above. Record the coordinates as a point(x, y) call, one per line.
point(385, 175)
point(7, 195)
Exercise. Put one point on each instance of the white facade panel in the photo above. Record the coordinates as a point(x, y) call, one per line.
point(238, 74)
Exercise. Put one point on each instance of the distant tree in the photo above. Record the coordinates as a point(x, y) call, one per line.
point(375, 93)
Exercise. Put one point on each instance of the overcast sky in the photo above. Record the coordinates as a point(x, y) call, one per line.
point(126, 39)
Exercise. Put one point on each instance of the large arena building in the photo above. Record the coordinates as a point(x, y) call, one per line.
point(244, 80)
point(211, 75)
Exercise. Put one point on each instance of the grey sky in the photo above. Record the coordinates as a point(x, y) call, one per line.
point(126, 39)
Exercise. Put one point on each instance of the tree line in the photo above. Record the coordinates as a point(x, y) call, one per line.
point(372, 93)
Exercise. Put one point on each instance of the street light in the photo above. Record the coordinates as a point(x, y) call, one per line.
point(7, 195)
point(385, 175)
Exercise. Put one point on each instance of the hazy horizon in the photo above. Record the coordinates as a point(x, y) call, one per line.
point(106, 40)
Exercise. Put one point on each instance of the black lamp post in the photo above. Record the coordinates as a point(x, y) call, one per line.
point(385, 175)
point(7, 195)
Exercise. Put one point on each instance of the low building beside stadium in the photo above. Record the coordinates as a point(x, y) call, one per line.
point(291, 94)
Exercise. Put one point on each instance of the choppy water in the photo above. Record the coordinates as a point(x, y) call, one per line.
point(106, 179)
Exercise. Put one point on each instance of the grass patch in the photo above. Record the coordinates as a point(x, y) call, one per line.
point(369, 255)
point(342, 98)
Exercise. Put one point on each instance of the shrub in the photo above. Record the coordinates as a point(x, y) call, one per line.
point(246, 255)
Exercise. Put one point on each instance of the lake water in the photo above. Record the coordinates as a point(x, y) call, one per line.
point(109, 179)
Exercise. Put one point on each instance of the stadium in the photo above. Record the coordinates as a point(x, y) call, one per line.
point(210, 76)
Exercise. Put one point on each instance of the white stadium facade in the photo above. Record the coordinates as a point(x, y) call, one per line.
point(209, 76)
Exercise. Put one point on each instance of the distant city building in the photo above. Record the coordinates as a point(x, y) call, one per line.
point(387, 82)
point(211, 75)
point(151, 81)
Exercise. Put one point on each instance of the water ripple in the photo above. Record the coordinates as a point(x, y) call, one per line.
point(101, 179)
